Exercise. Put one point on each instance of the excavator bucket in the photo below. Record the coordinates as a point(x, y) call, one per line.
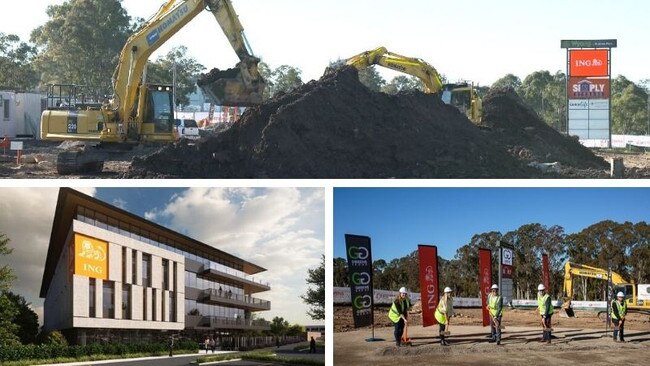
point(241, 86)
point(566, 311)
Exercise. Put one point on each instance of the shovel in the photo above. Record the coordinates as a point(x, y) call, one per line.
point(549, 329)
point(497, 324)
point(446, 332)
point(405, 337)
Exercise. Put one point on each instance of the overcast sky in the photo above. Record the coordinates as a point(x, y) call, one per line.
point(280, 229)
point(464, 39)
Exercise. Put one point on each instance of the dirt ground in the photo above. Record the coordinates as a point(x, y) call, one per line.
point(577, 341)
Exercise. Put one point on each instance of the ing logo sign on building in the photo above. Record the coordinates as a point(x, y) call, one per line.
point(90, 257)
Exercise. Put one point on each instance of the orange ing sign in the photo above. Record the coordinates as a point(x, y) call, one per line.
point(90, 257)
point(589, 62)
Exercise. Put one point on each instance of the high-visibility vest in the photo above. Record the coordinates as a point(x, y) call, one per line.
point(394, 314)
point(444, 309)
point(622, 309)
point(493, 301)
point(541, 305)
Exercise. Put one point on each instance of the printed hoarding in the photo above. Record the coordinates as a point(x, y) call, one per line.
point(428, 257)
point(90, 257)
point(360, 270)
point(588, 88)
point(589, 62)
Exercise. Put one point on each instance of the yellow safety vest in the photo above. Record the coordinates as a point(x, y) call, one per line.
point(492, 305)
point(622, 309)
point(541, 305)
point(394, 314)
point(444, 310)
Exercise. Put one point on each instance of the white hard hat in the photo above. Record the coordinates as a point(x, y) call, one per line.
point(447, 289)
point(541, 287)
point(620, 294)
point(402, 290)
point(494, 287)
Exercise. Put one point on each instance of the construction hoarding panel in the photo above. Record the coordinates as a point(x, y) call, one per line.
point(360, 270)
point(546, 276)
point(589, 62)
point(90, 257)
point(485, 280)
point(428, 256)
point(589, 88)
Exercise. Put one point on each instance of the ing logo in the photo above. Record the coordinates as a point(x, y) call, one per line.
point(90, 257)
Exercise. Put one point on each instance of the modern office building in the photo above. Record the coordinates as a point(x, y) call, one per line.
point(113, 276)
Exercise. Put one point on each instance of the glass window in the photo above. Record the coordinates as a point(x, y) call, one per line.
point(126, 301)
point(134, 267)
point(144, 304)
point(91, 298)
point(124, 258)
point(154, 313)
point(172, 307)
point(174, 277)
point(165, 274)
point(146, 270)
point(109, 300)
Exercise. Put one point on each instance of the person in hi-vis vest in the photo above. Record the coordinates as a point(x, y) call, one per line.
point(545, 311)
point(619, 310)
point(444, 312)
point(495, 308)
point(398, 314)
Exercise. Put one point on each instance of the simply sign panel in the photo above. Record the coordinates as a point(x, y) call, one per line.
point(588, 88)
point(360, 270)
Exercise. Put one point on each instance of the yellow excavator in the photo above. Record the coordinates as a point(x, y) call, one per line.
point(462, 95)
point(139, 112)
point(572, 270)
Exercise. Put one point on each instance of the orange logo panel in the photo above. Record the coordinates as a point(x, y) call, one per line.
point(90, 257)
point(589, 62)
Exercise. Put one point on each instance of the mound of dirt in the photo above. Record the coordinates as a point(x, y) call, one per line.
point(337, 128)
point(518, 128)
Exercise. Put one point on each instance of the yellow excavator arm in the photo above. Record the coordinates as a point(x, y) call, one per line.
point(581, 270)
point(461, 96)
point(408, 65)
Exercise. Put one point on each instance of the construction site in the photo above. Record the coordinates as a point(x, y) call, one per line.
point(337, 128)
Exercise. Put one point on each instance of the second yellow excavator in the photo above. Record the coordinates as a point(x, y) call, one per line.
point(462, 95)
point(572, 270)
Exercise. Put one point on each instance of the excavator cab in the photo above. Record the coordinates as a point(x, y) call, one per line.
point(241, 86)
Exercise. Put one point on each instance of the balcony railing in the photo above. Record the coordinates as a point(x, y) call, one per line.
point(228, 297)
point(233, 272)
point(223, 322)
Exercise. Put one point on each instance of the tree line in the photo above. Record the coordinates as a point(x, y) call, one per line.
point(626, 246)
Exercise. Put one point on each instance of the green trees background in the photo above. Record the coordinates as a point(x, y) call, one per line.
point(625, 245)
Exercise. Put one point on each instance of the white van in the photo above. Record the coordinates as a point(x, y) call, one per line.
point(186, 129)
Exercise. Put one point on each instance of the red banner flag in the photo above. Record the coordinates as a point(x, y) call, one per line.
point(428, 255)
point(485, 280)
point(546, 276)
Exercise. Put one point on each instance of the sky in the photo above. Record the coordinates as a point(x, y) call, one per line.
point(260, 225)
point(479, 41)
point(397, 220)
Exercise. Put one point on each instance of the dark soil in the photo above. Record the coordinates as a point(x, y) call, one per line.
point(337, 128)
point(517, 127)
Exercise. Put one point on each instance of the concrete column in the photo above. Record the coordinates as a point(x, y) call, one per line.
point(139, 268)
point(156, 272)
point(80, 302)
point(137, 305)
point(114, 262)
point(170, 275)
point(180, 277)
point(165, 306)
point(147, 304)
point(99, 298)
point(129, 266)
point(118, 300)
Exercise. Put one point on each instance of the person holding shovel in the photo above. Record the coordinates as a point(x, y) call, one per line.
point(444, 312)
point(545, 311)
point(495, 308)
point(619, 310)
point(398, 314)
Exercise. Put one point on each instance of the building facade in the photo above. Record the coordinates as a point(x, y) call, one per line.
point(113, 276)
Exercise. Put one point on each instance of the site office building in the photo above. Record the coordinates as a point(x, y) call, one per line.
point(113, 276)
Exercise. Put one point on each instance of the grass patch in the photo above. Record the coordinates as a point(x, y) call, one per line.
point(100, 357)
point(261, 356)
point(320, 346)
